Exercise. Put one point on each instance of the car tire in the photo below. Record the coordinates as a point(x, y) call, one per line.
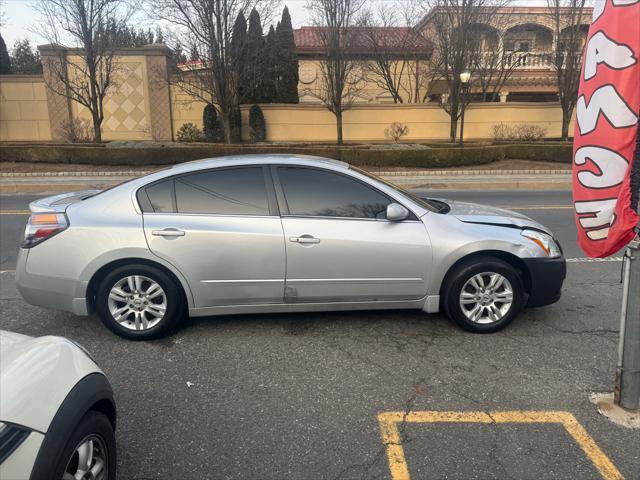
point(95, 428)
point(141, 311)
point(474, 304)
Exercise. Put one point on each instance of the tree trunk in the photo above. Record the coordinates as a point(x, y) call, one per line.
point(97, 132)
point(339, 127)
point(566, 120)
point(226, 126)
point(453, 123)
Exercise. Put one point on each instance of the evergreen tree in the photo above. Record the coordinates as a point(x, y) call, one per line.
point(258, 132)
point(5, 60)
point(24, 59)
point(159, 36)
point(177, 57)
point(269, 63)
point(287, 61)
point(254, 78)
point(193, 53)
point(238, 48)
point(212, 128)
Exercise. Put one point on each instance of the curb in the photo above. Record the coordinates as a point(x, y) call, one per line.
point(444, 184)
point(390, 173)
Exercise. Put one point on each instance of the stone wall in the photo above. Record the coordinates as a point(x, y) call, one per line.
point(23, 108)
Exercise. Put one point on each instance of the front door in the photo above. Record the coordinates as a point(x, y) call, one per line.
point(219, 230)
point(341, 248)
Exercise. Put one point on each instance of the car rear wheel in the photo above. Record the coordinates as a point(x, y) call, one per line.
point(139, 302)
point(90, 452)
point(484, 295)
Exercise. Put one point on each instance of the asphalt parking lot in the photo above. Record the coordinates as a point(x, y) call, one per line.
point(392, 394)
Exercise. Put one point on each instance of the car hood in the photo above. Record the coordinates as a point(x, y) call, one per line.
point(484, 214)
point(36, 374)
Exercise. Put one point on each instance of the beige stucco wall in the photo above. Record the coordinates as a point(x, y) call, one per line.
point(184, 108)
point(364, 123)
point(126, 106)
point(23, 108)
point(372, 88)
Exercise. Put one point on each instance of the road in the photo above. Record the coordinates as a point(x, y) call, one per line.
point(304, 396)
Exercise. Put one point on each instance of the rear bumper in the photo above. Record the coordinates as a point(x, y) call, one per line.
point(58, 293)
point(547, 276)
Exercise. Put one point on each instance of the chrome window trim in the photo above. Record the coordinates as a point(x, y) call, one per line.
point(362, 219)
point(223, 215)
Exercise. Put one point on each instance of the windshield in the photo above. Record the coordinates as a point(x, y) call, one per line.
point(423, 202)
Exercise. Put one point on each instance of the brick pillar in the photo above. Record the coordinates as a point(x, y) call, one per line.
point(157, 57)
point(59, 106)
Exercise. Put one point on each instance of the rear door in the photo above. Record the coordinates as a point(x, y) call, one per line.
point(341, 247)
point(220, 228)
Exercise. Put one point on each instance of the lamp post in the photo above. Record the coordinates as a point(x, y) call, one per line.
point(464, 81)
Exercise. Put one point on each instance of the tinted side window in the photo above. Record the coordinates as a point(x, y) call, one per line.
point(326, 194)
point(161, 197)
point(234, 191)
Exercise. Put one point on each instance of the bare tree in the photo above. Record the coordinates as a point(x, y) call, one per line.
point(207, 25)
point(466, 37)
point(85, 69)
point(341, 75)
point(395, 49)
point(570, 19)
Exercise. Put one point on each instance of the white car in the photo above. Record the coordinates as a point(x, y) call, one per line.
point(57, 414)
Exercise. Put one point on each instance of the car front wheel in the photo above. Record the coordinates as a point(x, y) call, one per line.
point(90, 452)
point(484, 295)
point(139, 302)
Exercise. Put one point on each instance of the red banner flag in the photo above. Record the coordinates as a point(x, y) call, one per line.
point(606, 129)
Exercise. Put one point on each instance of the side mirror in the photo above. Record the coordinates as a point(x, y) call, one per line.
point(396, 212)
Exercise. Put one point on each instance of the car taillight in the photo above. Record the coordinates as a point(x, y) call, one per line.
point(42, 226)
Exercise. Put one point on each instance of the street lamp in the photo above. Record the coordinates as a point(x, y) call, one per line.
point(464, 81)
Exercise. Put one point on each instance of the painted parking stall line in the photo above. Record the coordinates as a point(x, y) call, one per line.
point(392, 440)
point(595, 260)
point(15, 212)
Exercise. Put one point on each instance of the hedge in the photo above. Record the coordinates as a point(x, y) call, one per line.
point(422, 158)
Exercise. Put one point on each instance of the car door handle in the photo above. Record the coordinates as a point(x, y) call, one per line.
point(304, 239)
point(168, 232)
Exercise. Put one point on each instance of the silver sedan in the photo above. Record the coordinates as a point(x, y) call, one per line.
point(279, 233)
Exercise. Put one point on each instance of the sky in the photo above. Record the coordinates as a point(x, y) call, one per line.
point(19, 18)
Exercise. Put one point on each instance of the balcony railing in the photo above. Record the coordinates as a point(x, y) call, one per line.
point(528, 60)
point(535, 60)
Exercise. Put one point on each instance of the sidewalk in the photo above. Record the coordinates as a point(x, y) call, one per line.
point(51, 182)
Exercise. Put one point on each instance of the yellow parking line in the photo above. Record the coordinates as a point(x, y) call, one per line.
point(541, 207)
point(15, 212)
point(395, 453)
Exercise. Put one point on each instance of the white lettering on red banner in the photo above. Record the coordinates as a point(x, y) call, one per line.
point(607, 113)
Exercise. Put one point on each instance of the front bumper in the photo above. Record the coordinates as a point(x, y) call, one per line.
point(547, 276)
point(59, 293)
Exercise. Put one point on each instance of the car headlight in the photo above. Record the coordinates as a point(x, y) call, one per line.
point(11, 436)
point(546, 242)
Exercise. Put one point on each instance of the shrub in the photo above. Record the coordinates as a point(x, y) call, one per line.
point(77, 130)
point(257, 125)
point(396, 131)
point(421, 158)
point(529, 133)
point(212, 127)
point(189, 132)
point(521, 132)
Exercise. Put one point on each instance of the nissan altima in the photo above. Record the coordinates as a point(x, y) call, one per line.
point(279, 233)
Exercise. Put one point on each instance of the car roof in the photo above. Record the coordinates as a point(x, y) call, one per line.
point(256, 159)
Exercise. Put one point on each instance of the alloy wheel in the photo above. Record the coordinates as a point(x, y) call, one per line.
point(137, 302)
point(89, 460)
point(486, 298)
